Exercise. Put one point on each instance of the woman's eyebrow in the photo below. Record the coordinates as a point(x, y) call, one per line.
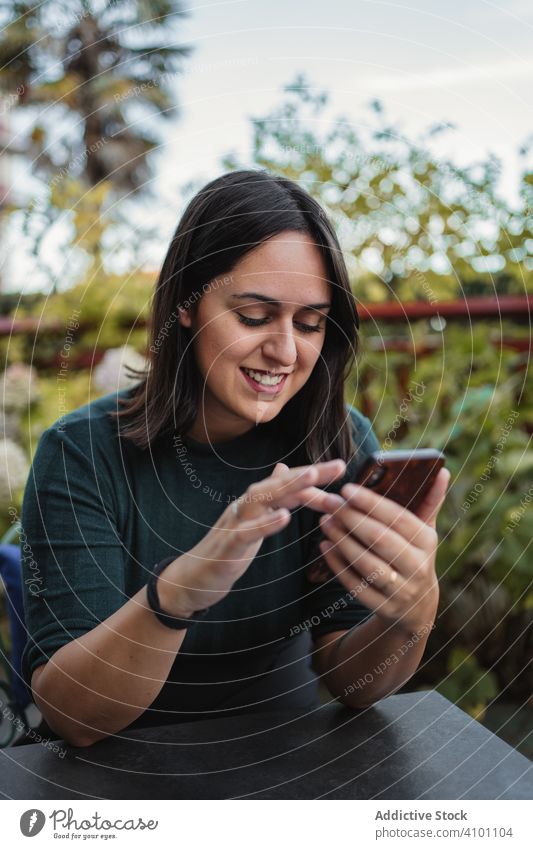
point(257, 296)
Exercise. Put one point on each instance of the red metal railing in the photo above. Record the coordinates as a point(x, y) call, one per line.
point(517, 308)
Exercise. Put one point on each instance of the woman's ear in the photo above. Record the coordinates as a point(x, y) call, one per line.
point(185, 317)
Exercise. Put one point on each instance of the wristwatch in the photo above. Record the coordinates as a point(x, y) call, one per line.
point(153, 600)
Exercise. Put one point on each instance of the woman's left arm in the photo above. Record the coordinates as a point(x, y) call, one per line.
point(385, 556)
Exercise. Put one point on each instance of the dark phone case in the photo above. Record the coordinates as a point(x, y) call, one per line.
point(407, 476)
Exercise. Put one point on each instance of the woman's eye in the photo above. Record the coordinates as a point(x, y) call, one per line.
point(256, 322)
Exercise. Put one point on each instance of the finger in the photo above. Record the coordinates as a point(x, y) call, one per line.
point(317, 499)
point(430, 507)
point(281, 489)
point(252, 530)
point(259, 497)
point(357, 586)
point(371, 568)
point(309, 496)
point(365, 565)
point(279, 469)
point(386, 511)
point(318, 473)
point(382, 540)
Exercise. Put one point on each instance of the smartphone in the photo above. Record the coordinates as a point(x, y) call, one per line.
point(404, 476)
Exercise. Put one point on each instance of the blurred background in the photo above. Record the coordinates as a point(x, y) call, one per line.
point(412, 126)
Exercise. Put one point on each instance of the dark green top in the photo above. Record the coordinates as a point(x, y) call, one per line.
point(99, 513)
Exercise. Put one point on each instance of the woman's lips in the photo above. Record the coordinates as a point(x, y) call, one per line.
point(260, 387)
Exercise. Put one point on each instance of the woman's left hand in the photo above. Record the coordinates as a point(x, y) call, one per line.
point(384, 554)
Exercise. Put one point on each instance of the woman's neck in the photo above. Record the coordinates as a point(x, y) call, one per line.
point(217, 432)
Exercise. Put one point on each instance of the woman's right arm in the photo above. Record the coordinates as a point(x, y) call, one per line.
point(102, 681)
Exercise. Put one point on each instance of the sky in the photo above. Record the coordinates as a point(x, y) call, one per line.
point(468, 63)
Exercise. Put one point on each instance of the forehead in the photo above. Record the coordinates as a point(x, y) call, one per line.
point(289, 268)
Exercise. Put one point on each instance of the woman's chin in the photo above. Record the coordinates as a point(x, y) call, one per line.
point(261, 410)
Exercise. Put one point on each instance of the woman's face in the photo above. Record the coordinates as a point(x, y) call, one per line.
point(268, 316)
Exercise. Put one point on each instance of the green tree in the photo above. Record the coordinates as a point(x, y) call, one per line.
point(94, 82)
point(102, 73)
point(413, 226)
point(416, 227)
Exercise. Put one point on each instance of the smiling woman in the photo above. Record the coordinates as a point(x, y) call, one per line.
point(249, 375)
point(177, 583)
point(257, 277)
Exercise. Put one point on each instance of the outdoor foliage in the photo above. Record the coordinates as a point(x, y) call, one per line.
point(412, 228)
point(99, 70)
point(474, 401)
point(95, 82)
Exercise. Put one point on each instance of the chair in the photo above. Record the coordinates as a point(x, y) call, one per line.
point(14, 694)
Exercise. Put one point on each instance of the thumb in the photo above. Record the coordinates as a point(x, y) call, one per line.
point(279, 469)
point(429, 509)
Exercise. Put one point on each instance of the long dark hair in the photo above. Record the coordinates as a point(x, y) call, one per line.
point(229, 217)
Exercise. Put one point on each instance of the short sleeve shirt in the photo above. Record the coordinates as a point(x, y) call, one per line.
point(99, 513)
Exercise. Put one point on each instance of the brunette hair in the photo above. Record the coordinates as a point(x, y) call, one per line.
point(229, 217)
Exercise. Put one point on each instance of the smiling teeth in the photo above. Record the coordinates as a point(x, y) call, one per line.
point(266, 379)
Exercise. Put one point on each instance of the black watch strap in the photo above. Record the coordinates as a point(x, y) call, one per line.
point(153, 600)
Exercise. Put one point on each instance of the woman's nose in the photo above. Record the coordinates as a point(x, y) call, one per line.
point(281, 347)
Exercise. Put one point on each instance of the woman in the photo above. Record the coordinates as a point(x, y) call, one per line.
point(177, 583)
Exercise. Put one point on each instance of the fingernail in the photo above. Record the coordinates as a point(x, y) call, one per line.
point(325, 520)
point(351, 489)
point(341, 464)
point(333, 502)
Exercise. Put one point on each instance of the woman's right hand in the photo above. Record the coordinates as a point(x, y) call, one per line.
point(204, 575)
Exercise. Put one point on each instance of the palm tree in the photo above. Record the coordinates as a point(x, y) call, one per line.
point(100, 77)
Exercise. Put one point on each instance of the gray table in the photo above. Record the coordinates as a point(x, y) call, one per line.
point(412, 746)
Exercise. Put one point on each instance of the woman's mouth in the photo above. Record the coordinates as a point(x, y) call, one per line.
point(263, 382)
